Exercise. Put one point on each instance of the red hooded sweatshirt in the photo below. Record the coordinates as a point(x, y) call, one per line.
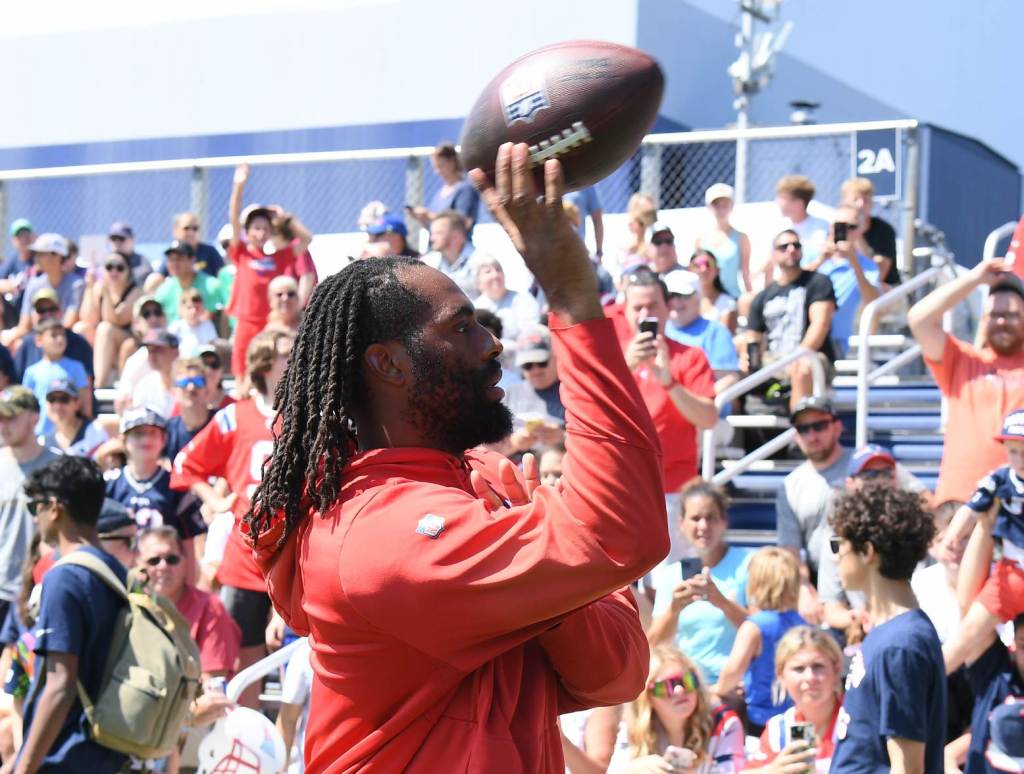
point(447, 637)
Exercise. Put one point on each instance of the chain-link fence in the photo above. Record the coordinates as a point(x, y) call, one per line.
point(329, 189)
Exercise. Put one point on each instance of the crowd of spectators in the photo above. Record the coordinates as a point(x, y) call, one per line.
point(136, 415)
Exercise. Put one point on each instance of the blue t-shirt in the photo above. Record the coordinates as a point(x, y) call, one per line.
point(1005, 484)
point(896, 688)
point(39, 376)
point(29, 353)
point(152, 503)
point(704, 633)
point(178, 435)
point(463, 198)
point(7, 365)
point(711, 336)
point(757, 682)
point(993, 678)
point(77, 614)
point(848, 298)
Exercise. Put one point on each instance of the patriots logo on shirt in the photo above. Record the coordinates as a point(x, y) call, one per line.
point(430, 525)
point(263, 265)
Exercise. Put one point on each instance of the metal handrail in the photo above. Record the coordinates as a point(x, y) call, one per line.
point(745, 385)
point(264, 666)
point(867, 321)
point(989, 250)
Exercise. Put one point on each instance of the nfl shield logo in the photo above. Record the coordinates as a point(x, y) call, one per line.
point(430, 525)
point(522, 95)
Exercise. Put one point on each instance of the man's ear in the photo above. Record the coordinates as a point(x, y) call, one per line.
point(870, 555)
point(388, 362)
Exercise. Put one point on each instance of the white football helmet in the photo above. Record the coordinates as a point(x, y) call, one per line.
point(242, 742)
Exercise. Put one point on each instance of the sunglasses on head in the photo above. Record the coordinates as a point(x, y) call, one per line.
point(663, 241)
point(191, 381)
point(813, 427)
point(171, 559)
point(115, 267)
point(663, 689)
point(531, 366)
point(58, 397)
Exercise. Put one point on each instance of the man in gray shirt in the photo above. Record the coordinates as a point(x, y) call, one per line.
point(20, 454)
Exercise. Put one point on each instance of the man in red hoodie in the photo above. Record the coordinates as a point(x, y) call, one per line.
point(453, 609)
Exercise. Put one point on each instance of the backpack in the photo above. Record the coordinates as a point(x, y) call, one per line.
point(151, 675)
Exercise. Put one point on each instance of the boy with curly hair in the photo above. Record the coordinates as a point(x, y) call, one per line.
point(894, 712)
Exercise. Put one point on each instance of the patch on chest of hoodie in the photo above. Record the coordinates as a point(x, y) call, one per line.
point(430, 525)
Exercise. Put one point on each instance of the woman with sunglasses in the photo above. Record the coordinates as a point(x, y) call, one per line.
point(716, 303)
point(809, 667)
point(106, 314)
point(673, 727)
point(72, 433)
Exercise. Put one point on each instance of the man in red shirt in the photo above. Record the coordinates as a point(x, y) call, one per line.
point(453, 609)
point(676, 381)
point(233, 446)
point(249, 302)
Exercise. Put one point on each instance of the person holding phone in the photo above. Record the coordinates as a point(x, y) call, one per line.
point(700, 602)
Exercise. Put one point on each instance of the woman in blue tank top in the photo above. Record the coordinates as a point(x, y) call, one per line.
point(731, 248)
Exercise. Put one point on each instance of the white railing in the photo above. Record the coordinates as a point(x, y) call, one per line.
point(868, 317)
point(994, 237)
point(742, 387)
point(261, 668)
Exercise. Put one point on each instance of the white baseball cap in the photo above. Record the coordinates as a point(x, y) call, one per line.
point(719, 191)
point(680, 282)
point(50, 243)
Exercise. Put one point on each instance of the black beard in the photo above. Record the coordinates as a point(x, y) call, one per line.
point(450, 407)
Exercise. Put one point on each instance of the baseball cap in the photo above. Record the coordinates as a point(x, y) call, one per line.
point(1013, 427)
point(123, 230)
point(225, 234)
point(160, 337)
point(50, 243)
point(866, 454)
point(1008, 281)
point(253, 211)
point(113, 516)
point(182, 248)
point(16, 399)
point(681, 282)
point(141, 417)
point(61, 385)
point(816, 402)
point(388, 224)
point(533, 346)
point(1005, 750)
point(719, 191)
point(659, 227)
point(19, 225)
point(45, 294)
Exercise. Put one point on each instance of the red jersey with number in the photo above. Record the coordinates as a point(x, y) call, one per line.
point(232, 446)
point(249, 299)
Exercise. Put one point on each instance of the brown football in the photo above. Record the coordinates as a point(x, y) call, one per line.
point(587, 103)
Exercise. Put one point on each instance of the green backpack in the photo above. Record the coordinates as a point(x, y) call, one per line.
point(151, 676)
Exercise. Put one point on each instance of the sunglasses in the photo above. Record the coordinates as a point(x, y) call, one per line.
point(813, 427)
point(34, 506)
point(41, 310)
point(116, 267)
point(191, 381)
point(874, 474)
point(663, 689)
point(197, 301)
point(834, 543)
point(150, 314)
point(847, 226)
point(286, 294)
point(171, 560)
point(190, 228)
point(663, 241)
point(531, 366)
point(702, 263)
point(211, 361)
point(787, 245)
point(117, 239)
point(59, 397)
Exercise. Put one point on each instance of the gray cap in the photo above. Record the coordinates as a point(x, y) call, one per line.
point(813, 402)
point(141, 417)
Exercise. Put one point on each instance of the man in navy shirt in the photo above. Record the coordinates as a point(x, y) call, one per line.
point(894, 712)
point(77, 616)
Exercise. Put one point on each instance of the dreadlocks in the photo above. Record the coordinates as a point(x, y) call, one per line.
point(363, 304)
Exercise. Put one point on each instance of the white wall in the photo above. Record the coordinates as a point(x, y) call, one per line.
point(114, 70)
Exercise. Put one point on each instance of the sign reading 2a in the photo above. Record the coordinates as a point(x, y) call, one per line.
point(877, 157)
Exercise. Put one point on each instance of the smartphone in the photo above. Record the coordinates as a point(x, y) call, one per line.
point(753, 356)
point(691, 566)
point(649, 325)
point(802, 732)
point(839, 232)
